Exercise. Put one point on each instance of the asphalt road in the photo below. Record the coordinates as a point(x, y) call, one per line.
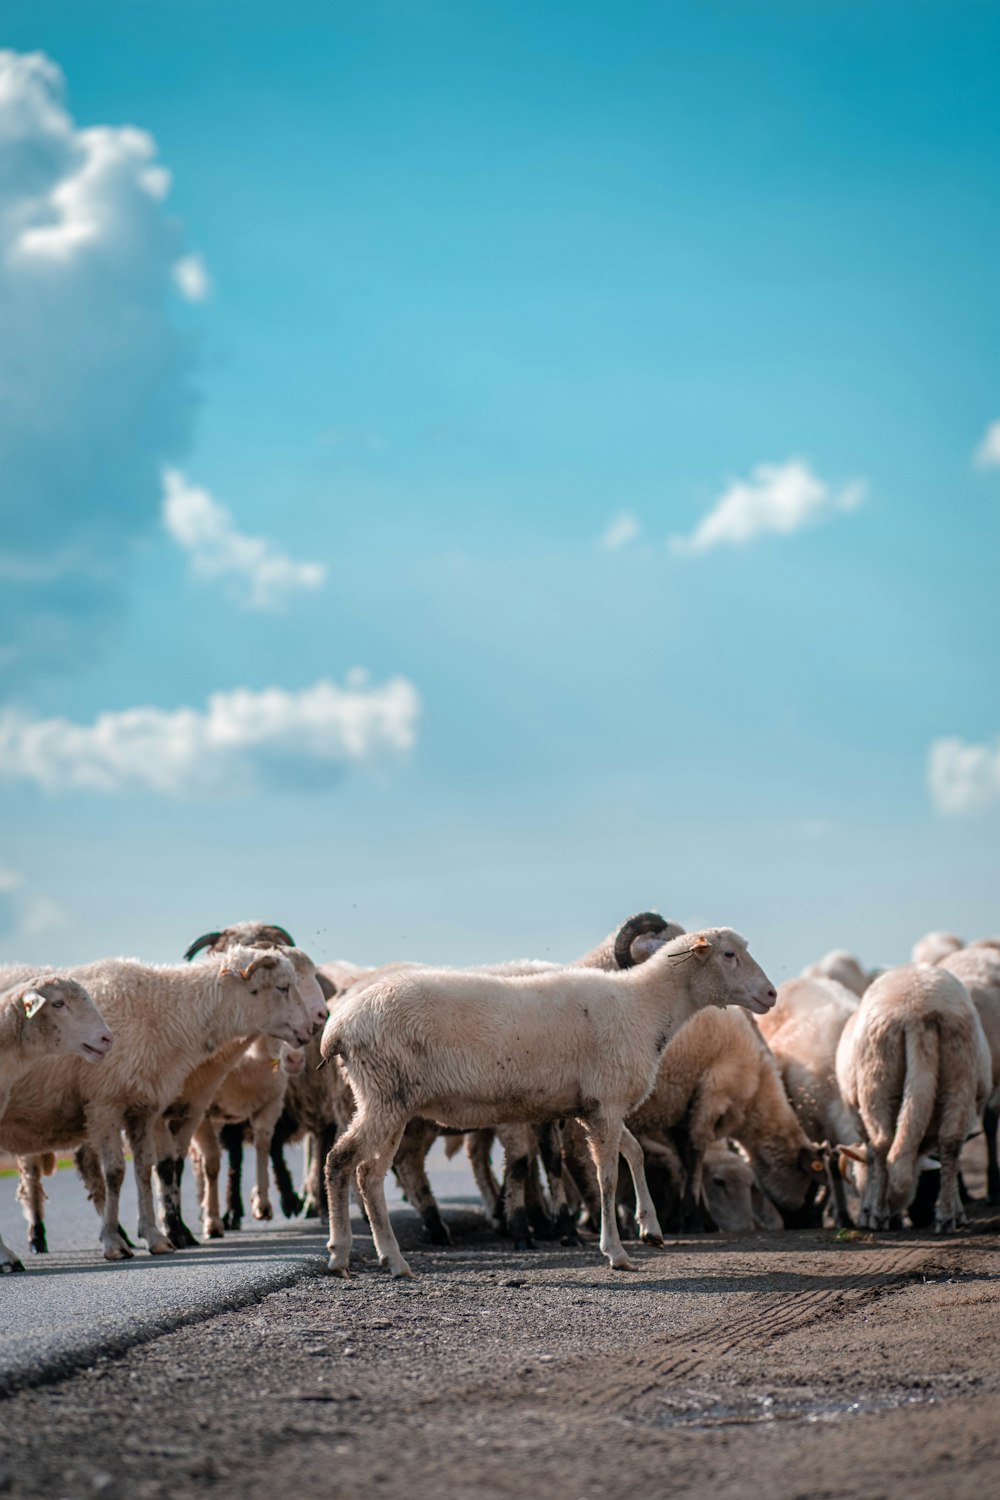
point(71, 1307)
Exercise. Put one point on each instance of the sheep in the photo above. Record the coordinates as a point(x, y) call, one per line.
point(467, 1049)
point(167, 1019)
point(41, 1018)
point(803, 1031)
point(731, 1195)
point(914, 1063)
point(251, 1096)
point(978, 967)
point(934, 946)
point(716, 1079)
point(841, 966)
point(175, 1130)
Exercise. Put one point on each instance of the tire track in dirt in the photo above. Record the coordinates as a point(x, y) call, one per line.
point(649, 1366)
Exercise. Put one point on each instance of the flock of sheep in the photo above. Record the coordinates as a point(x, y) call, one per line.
point(734, 1105)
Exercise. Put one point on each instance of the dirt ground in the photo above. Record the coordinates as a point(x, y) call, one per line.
point(797, 1365)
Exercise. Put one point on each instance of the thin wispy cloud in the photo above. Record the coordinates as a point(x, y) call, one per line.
point(24, 913)
point(260, 575)
point(191, 276)
point(777, 499)
point(239, 740)
point(987, 455)
point(962, 777)
point(623, 529)
point(94, 371)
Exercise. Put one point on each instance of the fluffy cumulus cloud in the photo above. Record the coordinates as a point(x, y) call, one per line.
point(95, 375)
point(622, 530)
point(777, 498)
point(963, 778)
point(259, 575)
point(987, 455)
point(240, 740)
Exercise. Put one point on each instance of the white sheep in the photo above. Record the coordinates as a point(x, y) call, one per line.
point(934, 946)
point(466, 1050)
point(41, 1018)
point(978, 967)
point(841, 966)
point(166, 1018)
point(914, 1063)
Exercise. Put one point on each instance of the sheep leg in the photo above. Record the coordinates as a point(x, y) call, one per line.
point(550, 1146)
point(31, 1196)
point(410, 1167)
point(478, 1144)
point(949, 1215)
point(232, 1140)
point(291, 1203)
point(371, 1180)
point(112, 1157)
point(991, 1118)
point(516, 1144)
point(139, 1129)
point(8, 1260)
point(646, 1221)
point(263, 1133)
point(875, 1203)
point(207, 1144)
point(359, 1143)
point(604, 1136)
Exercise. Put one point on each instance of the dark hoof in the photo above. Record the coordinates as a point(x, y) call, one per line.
point(291, 1205)
point(8, 1267)
point(310, 1211)
point(214, 1233)
point(652, 1239)
point(37, 1243)
point(436, 1231)
point(525, 1245)
point(231, 1222)
point(570, 1240)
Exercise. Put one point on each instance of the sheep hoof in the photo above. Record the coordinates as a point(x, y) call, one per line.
point(160, 1246)
point(337, 1270)
point(37, 1243)
point(291, 1205)
point(310, 1211)
point(403, 1273)
point(649, 1238)
point(232, 1221)
point(622, 1263)
point(571, 1239)
point(118, 1252)
point(8, 1267)
point(263, 1211)
point(214, 1230)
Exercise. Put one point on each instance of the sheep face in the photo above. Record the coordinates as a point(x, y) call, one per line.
point(267, 983)
point(60, 1017)
point(734, 977)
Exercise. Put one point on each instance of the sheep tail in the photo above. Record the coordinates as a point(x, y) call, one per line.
point(922, 1045)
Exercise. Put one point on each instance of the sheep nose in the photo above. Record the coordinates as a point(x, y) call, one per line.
point(106, 1042)
point(772, 993)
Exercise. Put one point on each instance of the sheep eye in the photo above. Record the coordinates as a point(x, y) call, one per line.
point(255, 992)
point(57, 1004)
point(729, 954)
point(283, 989)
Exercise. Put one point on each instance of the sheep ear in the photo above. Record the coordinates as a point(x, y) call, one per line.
point(32, 1002)
point(326, 985)
point(701, 946)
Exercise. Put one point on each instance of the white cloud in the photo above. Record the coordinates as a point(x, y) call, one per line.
point(262, 576)
point(22, 913)
point(239, 739)
point(779, 498)
point(622, 530)
point(963, 778)
point(987, 455)
point(192, 278)
point(94, 374)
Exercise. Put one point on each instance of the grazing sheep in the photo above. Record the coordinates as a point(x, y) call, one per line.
point(914, 1063)
point(166, 1019)
point(466, 1050)
point(42, 1018)
point(934, 946)
point(803, 1032)
point(978, 967)
point(731, 1195)
point(717, 1079)
point(841, 966)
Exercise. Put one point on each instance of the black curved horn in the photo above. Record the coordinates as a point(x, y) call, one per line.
point(640, 925)
point(286, 937)
point(205, 941)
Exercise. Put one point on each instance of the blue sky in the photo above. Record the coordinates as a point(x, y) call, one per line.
point(615, 386)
